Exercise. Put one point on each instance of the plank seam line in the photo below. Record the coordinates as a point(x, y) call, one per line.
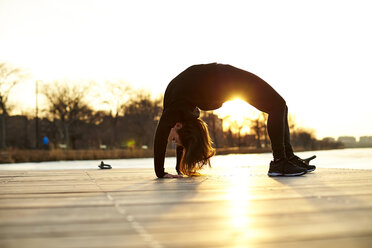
point(10, 178)
point(147, 237)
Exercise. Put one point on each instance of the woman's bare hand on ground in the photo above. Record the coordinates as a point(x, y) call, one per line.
point(172, 176)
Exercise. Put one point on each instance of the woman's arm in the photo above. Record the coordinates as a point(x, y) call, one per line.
point(160, 146)
point(167, 121)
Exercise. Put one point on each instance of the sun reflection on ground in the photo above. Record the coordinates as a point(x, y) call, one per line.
point(238, 197)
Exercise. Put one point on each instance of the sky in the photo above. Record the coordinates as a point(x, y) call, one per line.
point(316, 54)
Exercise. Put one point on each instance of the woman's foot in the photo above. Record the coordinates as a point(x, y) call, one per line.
point(285, 168)
point(307, 160)
point(301, 163)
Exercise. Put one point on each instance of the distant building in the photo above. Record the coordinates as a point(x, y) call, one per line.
point(365, 140)
point(215, 128)
point(348, 141)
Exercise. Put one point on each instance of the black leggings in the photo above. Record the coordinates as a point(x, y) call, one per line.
point(278, 129)
point(262, 96)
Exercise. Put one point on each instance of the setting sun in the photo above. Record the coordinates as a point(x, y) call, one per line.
point(237, 111)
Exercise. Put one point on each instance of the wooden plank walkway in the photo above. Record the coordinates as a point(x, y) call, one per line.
point(240, 207)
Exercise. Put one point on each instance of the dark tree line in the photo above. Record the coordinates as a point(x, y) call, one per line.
point(70, 120)
point(9, 77)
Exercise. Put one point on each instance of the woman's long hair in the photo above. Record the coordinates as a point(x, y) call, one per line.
point(197, 146)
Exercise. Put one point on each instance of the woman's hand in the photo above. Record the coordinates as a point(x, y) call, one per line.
point(172, 176)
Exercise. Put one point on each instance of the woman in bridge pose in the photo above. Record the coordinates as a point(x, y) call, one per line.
point(207, 87)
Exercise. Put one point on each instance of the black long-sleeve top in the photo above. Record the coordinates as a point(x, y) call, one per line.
point(199, 86)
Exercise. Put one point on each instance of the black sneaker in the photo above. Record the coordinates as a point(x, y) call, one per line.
point(301, 163)
point(307, 160)
point(285, 168)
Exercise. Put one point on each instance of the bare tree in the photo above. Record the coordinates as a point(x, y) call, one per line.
point(259, 128)
point(238, 126)
point(142, 114)
point(9, 77)
point(118, 94)
point(303, 137)
point(67, 107)
point(234, 135)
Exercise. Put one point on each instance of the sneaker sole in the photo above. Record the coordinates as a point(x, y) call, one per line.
point(310, 170)
point(277, 174)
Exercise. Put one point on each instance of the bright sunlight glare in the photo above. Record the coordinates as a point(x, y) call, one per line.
point(237, 111)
